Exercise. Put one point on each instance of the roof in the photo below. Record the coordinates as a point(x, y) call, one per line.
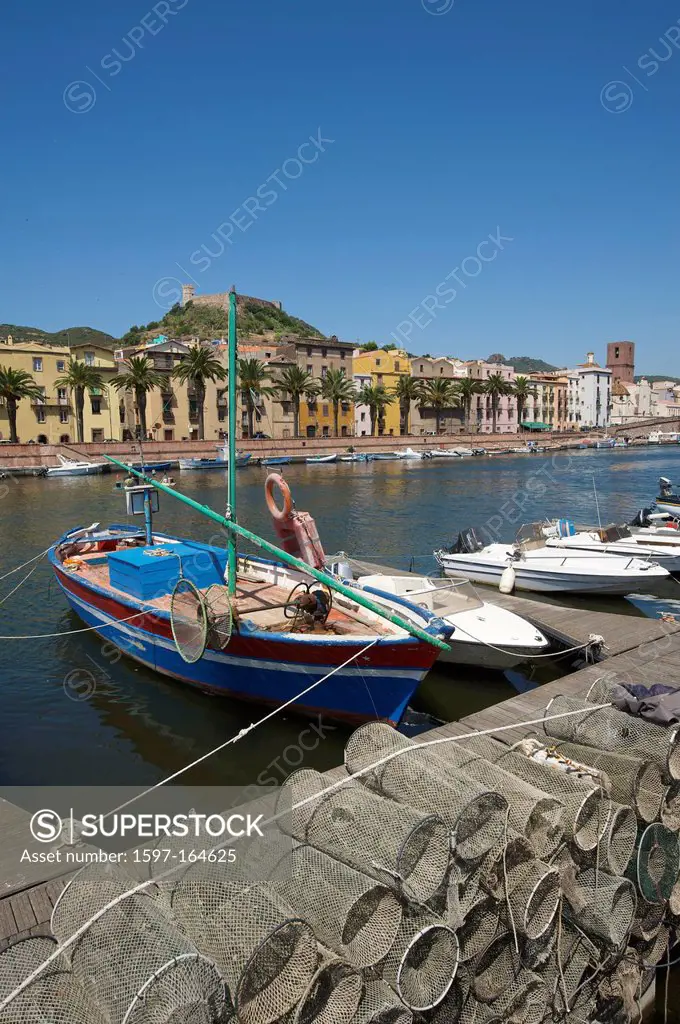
point(619, 389)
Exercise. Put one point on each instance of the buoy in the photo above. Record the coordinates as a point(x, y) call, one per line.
point(507, 583)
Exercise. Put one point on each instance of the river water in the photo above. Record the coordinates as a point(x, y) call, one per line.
point(73, 713)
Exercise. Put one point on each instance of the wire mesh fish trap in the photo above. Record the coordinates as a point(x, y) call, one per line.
point(670, 808)
point(476, 1012)
point(531, 812)
point(381, 1005)
point(648, 920)
point(656, 864)
point(582, 818)
point(55, 996)
point(524, 1002)
point(632, 780)
point(478, 928)
point(497, 969)
point(266, 952)
point(333, 995)
point(573, 960)
point(406, 849)
point(423, 961)
point(618, 842)
point(474, 814)
point(529, 888)
point(601, 904)
point(611, 729)
point(188, 620)
point(350, 912)
point(657, 949)
point(133, 958)
point(220, 616)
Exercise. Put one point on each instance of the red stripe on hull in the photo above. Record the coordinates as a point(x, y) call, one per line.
point(407, 655)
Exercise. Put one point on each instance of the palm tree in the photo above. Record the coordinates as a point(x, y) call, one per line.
point(141, 377)
point(496, 385)
point(197, 368)
point(337, 387)
point(439, 393)
point(295, 383)
point(523, 389)
point(252, 376)
point(407, 390)
point(15, 385)
point(466, 387)
point(377, 398)
point(79, 378)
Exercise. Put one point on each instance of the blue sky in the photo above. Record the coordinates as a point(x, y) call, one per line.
point(132, 134)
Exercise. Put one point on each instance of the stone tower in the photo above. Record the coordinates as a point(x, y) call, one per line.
point(621, 360)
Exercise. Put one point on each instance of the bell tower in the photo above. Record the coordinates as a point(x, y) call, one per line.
point(621, 360)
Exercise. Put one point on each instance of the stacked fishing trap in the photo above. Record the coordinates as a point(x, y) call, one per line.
point(458, 880)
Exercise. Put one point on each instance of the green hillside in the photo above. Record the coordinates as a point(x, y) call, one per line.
point(69, 336)
point(523, 364)
point(652, 377)
point(208, 322)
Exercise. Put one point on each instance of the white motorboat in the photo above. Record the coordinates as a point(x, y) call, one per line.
point(444, 453)
point(529, 564)
point(70, 467)
point(668, 501)
point(408, 453)
point(663, 437)
point(464, 452)
point(321, 458)
point(485, 635)
point(612, 540)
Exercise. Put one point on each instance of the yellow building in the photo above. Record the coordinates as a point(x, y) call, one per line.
point(383, 368)
point(51, 419)
point(550, 403)
point(317, 356)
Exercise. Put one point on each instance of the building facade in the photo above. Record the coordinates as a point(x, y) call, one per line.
point(482, 412)
point(51, 419)
point(423, 417)
point(383, 368)
point(550, 404)
point(589, 394)
point(631, 402)
point(317, 357)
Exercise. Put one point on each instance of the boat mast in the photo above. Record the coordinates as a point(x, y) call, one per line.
point(231, 426)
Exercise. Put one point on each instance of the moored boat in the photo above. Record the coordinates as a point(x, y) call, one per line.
point(444, 453)
point(71, 467)
point(612, 540)
point(219, 463)
point(321, 458)
point(358, 457)
point(529, 564)
point(668, 500)
point(281, 460)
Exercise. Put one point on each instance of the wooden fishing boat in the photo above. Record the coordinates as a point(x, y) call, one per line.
point(321, 458)
point(275, 631)
point(280, 460)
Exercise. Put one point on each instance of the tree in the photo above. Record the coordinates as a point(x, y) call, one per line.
point(407, 390)
point(496, 386)
point(141, 377)
point(370, 346)
point(197, 368)
point(377, 398)
point(252, 377)
point(80, 378)
point(389, 347)
point(296, 382)
point(337, 387)
point(523, 389)
point(466, 387)
point(15, 385)
point(438, 393)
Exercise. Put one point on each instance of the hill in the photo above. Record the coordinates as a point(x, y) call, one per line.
point(524, 364)
point(652, 377)
point(208, 322)
point(69, 336)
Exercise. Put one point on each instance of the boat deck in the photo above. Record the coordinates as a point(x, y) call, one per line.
point(260, 600)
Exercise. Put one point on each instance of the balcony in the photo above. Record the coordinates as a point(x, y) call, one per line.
point(168, 416)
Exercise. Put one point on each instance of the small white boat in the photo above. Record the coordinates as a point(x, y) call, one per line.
point(321, 458)
point(358, 457)
point(408, 453)
point(69, 467)
point(485, 635)
point(663, 437)
point(605, 442)
point(464, 452)
point(445, 453)
point(612, 540)
point(668, 501)
point(529, 564)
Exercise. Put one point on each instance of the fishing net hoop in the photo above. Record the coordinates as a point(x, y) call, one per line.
point(654, 838)
point(241, 1004)
point(190, 638)
point(404, 965)
point(220, 616)
point(197, 956)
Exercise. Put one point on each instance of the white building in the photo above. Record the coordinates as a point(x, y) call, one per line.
point(362, 414)
point(631, 402)
point(589, 396)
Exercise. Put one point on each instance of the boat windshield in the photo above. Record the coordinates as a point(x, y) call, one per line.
point(530, 536)
point(441, 596)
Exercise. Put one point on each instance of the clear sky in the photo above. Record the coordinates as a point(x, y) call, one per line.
point(131, 134)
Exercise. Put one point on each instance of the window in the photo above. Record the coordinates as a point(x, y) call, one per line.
point(96, 409)
point(421, 367)
point(324, 410)
point(40, 414)
point(97, 434)
point(267, 355)
point(310, 368)
point(326, 432)
point(168, 435)
point(324, 371)
point(343, 431)
point(221, 415)
point(380, 378)
point(441, 369)
point(61, 366)
point(311, 431)
point(324, 353)
point(62, 396)
point(63, 415)
point(396, 366)
point(342, 353)
point(286, 432)
point(37, 364)
point(89, 359)
point(377, 362)
point(309, 352)
point(64, 438)
point(363, 417)
point(616, 352)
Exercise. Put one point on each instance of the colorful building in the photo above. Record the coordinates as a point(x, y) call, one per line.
point(383, 368)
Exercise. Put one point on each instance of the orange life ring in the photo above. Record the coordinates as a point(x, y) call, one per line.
point(276, 480)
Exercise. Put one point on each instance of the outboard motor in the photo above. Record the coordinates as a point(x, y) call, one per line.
point(641, 517)
point(665, 487)
point(467, 543)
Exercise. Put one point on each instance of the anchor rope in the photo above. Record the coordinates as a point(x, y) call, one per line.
point(67, 943)
point(35, 558)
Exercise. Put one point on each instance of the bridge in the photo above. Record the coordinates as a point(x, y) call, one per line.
point(641, 428)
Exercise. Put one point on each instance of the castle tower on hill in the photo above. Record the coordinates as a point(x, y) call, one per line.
point(621, 360)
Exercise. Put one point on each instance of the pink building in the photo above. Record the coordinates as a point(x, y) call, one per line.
point(481, 416)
